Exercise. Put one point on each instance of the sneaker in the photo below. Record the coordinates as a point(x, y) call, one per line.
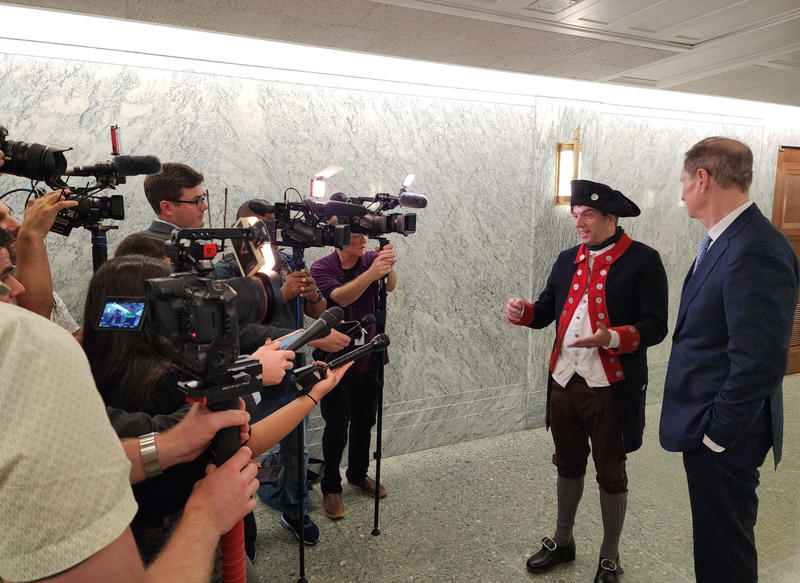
point(310, 530)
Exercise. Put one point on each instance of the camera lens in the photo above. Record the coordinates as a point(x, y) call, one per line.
point(257, 298)
point(35, 161)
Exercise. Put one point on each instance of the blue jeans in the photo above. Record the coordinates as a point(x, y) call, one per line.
point(283, 494)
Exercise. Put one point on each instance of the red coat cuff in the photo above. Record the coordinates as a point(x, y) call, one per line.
point(629, 340)
point(527, 316)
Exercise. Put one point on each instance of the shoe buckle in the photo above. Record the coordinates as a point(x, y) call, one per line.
point(549, 544)
point(608, 565)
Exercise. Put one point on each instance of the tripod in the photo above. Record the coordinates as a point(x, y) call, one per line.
point(99, 243)
point(380, 323)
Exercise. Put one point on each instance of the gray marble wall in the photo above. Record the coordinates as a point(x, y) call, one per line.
point(458, 370)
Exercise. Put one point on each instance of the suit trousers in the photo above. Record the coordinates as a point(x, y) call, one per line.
point(722, 493)
point(580, 413)
point(351, 407)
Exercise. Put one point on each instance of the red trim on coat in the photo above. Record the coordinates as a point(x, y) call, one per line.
point(597, 304)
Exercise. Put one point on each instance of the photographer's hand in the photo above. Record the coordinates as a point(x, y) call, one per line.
point(224, 496)
point(383, 263)
point(187, 440)
point(33, 269)
point(315, 301)
point(333, 342)
point(40, 214)
point(332, 378)
point(274, 363)
point(294, 284)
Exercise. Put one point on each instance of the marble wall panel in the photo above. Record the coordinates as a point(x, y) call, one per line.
point(458, 370)
point(255, 138)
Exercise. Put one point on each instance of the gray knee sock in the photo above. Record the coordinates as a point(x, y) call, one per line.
point(569, 491)
point(612, 507)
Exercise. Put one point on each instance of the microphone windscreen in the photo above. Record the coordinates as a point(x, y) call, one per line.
point(343, 209)
point(332, 316)
point(339, 196)
point(367, 321)
point(413, 201)
point(261, 207)
point(380, 342)
point(135, 165)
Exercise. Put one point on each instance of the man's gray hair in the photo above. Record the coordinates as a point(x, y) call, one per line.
point(729, 162)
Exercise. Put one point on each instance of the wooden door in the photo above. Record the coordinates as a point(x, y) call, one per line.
point(786, 216)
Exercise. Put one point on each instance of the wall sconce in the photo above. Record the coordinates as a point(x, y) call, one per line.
point(568, 166)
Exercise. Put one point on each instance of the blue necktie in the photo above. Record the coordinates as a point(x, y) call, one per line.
point(702, 249)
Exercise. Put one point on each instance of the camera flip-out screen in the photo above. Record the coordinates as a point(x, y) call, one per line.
point(122, 314)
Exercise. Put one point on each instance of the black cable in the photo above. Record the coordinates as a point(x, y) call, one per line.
point(5, 194)
point(286, 192)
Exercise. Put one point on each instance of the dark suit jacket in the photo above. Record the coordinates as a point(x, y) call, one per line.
point(636, 294)
point(159, 229)
point(731, 338)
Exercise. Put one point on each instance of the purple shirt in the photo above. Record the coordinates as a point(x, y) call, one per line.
point(329, 275)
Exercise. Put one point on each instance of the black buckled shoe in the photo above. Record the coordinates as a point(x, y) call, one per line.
point(608, 571)
point(550, 556)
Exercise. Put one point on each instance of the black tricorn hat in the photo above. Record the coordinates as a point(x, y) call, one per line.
point(603, 198)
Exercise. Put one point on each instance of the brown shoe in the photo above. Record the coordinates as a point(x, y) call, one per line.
point(367, 485)
point(333, 505)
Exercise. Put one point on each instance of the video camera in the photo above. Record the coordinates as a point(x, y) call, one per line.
point(48, 164)
point(305, 224)
point(369, 220)
point(195, 318)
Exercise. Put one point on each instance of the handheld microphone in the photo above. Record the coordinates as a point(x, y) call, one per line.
point(318, 329)
point(120, 166)
point(354, 328)
point(309, 375)
point(380, 342)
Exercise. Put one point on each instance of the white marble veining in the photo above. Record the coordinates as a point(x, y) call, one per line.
point(458, 369)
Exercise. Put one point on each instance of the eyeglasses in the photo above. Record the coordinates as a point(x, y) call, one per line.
point(196, 201)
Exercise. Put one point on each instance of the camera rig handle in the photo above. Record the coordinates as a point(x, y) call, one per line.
point(243, 378)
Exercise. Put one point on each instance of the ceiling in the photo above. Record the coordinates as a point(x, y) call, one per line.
point(747, 49)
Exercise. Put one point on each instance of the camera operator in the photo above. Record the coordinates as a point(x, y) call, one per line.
point(131, 375)
point(12, 285)
point(349, 278)
point(301, 296)
point(78, 530)
point(177, 197)
point(82, 534)
point(27, 249)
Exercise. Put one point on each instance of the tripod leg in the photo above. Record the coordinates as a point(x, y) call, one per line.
point(301, 481)
point(377, 455)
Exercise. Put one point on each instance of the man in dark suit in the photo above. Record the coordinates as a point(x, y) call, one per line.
point(177, 197)
point(609, 299)
point(723, 403)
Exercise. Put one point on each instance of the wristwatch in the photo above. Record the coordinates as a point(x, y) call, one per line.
point(149, 454)
point(319, 298)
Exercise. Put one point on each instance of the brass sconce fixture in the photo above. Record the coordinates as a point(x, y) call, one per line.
point(568, 166)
